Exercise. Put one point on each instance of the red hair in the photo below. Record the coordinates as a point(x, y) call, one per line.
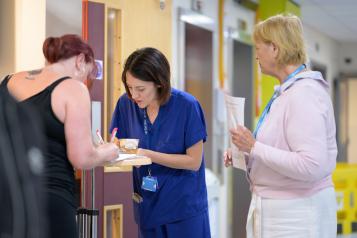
point(56, 49)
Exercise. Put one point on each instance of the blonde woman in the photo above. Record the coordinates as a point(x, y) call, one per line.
point(292, 151)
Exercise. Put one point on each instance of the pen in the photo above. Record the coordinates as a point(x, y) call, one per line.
point(101, 141)
point(114, 133)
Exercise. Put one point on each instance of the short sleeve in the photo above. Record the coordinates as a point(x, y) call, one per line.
point(118, 119)
point(195, 129)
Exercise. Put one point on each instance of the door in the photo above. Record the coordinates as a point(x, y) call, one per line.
point(346, 119)
point(198, 76)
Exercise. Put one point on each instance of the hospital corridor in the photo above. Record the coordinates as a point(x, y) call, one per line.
point(178, 118)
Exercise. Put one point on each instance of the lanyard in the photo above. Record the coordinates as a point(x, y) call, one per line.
point(289, 80)
point(146, 134)
point(145, 123)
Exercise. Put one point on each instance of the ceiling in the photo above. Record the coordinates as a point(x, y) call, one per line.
point(335, 18)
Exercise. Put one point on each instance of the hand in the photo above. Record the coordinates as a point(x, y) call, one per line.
point(242, 138)
point(228, 158)
point(142, 152)
point(109, 150)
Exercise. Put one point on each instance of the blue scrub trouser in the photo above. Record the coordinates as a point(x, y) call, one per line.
point(193, 227)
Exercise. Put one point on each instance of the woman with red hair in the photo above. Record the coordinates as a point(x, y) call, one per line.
point(59, 95)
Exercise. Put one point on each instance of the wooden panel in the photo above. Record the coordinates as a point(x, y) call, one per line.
point(113, 221)
point(114, 68)
point(145, 24)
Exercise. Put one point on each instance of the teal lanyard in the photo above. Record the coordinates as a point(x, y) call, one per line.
point(290, 79)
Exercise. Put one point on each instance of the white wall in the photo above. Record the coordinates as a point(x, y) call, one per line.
point(323, 50)
point(348, 50)
point(63, 17)
point(209, 9)
point(7, 32)
point(22, 30)
point(234, 12)
point(30, 24)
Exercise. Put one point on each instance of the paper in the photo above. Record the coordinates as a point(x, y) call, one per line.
point(235, 116)
point(126, 157)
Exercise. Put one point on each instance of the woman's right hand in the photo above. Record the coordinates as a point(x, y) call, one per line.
point(108, 151)
point(228, 158)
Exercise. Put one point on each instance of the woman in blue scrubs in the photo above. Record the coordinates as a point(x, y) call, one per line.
point(170, 195)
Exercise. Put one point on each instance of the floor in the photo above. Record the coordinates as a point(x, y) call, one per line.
point(348, 236)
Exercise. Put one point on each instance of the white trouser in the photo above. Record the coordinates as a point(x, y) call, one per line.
point(308, 217)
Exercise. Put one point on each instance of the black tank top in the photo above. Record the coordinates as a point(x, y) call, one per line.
point(58, 173)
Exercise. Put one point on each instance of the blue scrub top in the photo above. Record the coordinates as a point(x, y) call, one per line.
point(179, 125)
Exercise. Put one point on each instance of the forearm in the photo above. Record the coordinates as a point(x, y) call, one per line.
point(176, 161)
point(94, 156)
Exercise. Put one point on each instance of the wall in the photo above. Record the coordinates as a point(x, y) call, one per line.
point(209, 9)
point(30, 18)
point(323, 50)
point(145, 24)
point(348, 50)
point(234, 13)
point(63, 17)
point(7, 32)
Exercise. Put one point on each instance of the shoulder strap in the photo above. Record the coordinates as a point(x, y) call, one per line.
point(55, 83)
point(5, 80)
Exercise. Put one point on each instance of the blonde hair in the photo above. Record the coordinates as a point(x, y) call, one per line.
point(284, 31)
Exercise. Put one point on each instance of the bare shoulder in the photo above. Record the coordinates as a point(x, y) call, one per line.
point(70, 99)
point(72, 93)
point(72, 88)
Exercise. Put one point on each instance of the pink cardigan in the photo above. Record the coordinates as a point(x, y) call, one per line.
point(296, 149)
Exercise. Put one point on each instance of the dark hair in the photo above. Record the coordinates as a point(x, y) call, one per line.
point(56, 49)
point(149, 64)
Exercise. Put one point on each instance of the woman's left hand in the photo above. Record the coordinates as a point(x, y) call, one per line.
point(142, 152)
point(242, 138)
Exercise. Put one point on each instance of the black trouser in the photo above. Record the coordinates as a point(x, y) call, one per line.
point(61, 218)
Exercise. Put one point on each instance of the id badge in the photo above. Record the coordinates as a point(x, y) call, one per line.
point(149, 183)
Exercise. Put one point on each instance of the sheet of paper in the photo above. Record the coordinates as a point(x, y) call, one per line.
point(235, 116)
point(125, 157)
